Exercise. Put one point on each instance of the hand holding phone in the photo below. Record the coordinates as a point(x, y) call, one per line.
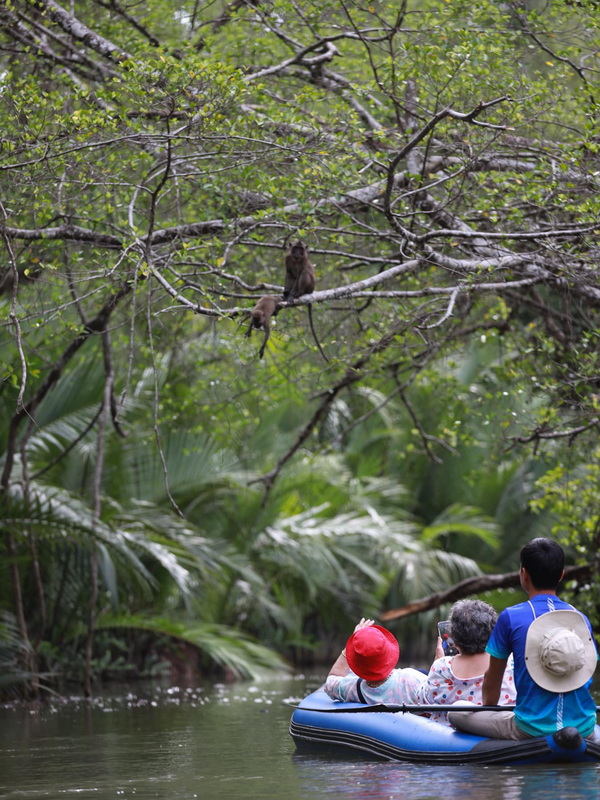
point(447, 641)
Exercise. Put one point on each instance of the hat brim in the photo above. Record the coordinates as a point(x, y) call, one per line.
point(536, 632)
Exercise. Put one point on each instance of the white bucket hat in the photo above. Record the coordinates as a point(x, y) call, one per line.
point(560, 652)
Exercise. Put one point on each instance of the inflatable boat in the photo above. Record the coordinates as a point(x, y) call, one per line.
point(396, 734)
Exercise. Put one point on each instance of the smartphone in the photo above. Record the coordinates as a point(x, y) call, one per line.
point(447, 641)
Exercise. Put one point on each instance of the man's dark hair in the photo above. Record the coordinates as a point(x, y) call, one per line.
point(544, 560)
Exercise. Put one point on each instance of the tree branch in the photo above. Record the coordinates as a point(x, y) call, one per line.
point(421, 134)
point(71, 25)
point(476, 585)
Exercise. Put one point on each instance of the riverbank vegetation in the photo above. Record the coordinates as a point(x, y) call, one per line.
point(169, 499)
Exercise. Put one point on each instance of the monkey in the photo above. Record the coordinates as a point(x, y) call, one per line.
point(299, 272)
point(300, 279)
point(266, 307)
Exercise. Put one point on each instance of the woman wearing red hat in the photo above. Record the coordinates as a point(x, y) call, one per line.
point(365, 671)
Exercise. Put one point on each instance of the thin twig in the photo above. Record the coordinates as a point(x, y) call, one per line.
point(14, 319)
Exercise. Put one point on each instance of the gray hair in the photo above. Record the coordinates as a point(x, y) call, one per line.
point(471, 624)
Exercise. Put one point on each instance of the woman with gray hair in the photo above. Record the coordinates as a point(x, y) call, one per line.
point(460, 677)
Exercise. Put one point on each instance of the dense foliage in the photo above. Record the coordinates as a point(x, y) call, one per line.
point(164, 491)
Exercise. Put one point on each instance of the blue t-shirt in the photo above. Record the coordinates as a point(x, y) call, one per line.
point(539, 712)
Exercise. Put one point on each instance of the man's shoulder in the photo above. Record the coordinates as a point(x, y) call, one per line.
point(562, 605)
point(512, 619)
point(516, 611)
point(528, 610)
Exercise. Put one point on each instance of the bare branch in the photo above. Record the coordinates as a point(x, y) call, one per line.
point(68, 232)
point(78, 30)
point(12, 316)
point(135, 23)
point(447, 313)
point(552, 233)
point(330, 51)
point(471, 586)
point(420, 135)
point(544, 433)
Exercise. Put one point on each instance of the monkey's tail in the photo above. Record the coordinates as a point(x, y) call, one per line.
point(312, 327)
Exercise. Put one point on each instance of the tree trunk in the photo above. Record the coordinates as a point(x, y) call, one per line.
point(29, 661)
point(97, 500)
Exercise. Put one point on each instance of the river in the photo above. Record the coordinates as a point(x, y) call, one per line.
point(228, 741)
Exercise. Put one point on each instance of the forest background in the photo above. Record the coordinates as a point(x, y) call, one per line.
point(169, 499)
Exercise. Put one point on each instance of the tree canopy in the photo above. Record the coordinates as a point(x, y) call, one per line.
point(440, 161)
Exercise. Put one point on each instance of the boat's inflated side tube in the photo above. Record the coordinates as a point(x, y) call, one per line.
point(321, 723)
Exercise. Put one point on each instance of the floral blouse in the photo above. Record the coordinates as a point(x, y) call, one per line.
point(442, 686)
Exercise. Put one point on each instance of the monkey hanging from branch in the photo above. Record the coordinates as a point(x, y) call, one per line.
point(300, 279)
point(260, 319)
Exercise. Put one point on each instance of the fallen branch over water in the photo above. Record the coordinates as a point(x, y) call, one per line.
point(476, 585)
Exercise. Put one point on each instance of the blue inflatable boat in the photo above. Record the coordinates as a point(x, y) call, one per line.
point(323, 724)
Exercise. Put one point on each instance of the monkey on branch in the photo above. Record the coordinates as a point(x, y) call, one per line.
point(300, 279)
point(260, 319)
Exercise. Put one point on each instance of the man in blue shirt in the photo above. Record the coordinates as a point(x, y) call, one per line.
point(555, 658)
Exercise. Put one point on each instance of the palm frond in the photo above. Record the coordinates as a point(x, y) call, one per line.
point(12, 649)
point(422, 573)
point(192, 464)
point(57, 515)
point(465, 520)
point(224, 646)
point(79, 388)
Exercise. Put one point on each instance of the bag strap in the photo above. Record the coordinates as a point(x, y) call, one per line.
point(359, 692)
point(532, 609)
point(570, 608)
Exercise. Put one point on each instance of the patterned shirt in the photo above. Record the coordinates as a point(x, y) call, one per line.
point(398, 689)
point(443, 687)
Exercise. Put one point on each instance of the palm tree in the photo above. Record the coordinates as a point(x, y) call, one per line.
point(149, 558)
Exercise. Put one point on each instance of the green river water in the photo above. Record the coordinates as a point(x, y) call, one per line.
point(228, 741)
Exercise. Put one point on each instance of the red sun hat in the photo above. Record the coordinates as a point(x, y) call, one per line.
point(372, 653)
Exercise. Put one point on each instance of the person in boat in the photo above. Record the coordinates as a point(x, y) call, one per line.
point(460, 677)
point(555, 657)
point(365, 671)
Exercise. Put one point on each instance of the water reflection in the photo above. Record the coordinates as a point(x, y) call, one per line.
point(213, 742)
point(393, 781)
